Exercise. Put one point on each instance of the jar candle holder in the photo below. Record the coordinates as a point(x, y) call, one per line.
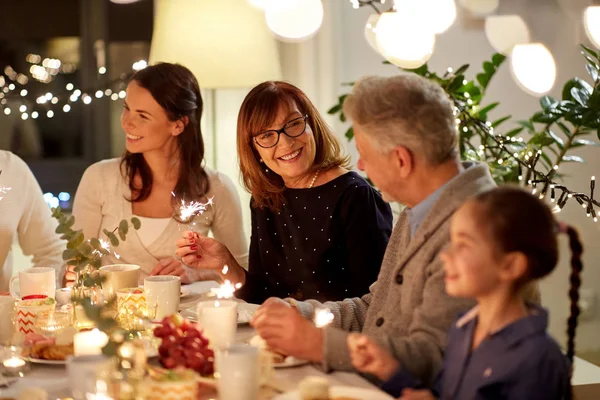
point(13, 363)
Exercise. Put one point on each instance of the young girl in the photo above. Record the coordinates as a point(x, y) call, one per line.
point(500, 241)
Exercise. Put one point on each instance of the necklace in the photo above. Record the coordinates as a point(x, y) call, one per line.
point(314, 179)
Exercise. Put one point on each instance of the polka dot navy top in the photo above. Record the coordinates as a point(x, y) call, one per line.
point(326, 243)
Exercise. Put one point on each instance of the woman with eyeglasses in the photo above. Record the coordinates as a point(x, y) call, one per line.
point(319, 231)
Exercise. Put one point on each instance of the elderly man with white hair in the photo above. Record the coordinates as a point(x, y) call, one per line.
point(406, 136)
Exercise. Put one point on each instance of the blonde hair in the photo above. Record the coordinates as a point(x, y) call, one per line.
point(405, 110)
point(258, 111)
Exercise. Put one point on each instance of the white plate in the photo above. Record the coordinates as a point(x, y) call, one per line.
point(47, 362)
point(245, 313)
point(290, 362)
point(346, 391)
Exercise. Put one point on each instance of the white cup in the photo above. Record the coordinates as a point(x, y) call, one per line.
point(238, 367)
point(162, 295)
point(83, 372)
point(218, 318)
point(7, 318)
point(119, 276)
point(36, 280)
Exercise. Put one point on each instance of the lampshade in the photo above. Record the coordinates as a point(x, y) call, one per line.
point(226, 44)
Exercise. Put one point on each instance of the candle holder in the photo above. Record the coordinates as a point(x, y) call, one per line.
point(51, 323)
point(13, 363)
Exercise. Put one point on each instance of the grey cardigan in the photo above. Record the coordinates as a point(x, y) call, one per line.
point(407, 309)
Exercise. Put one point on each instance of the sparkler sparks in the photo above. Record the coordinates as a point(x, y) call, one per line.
point(323, 317)
point(188, 210)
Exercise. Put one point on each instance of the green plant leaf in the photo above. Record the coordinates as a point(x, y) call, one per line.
point(592, 71)
point(489, 68)
point(578, 83)
point(541, 139)
point(85, 249)
point(527, 125)
point(488, 108)
point(124, 227)
point(349, 134)
point(573, 159)
point(501, 120)
point(559, 142)
point(423, 70)
point(113, 239)
point(335, 109)
point(594, 101)
point(513, 132)
point(69, 254)
point(590, 51)
point(483, 79)
point(548, 103)
point(542, 117)
point(498, 59)
point(584, 142)
point(342, 117)
point(581, 96)
point(461, 70)
point(136, 223)
point(95, 243)
point(456, 83)
point(61, 228)
point(564, 128)
point(76, 238)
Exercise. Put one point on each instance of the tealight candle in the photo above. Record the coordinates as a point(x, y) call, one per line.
point(14, 365)
point(89, 342)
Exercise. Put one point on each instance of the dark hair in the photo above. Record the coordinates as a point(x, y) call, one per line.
point(258, 111)
point(519, 221)
point(176, 90)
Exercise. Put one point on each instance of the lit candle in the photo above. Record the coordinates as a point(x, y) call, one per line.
point(89, 342)
point(14, 362)
point(323, 317)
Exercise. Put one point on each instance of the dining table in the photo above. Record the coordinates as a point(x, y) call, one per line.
point(53, 378)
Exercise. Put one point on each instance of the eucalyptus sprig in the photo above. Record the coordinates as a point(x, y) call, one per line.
point(82, 253)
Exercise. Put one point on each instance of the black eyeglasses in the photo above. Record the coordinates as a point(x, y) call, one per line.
point(293, 128)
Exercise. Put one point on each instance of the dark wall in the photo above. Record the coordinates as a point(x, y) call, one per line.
point(41, 19)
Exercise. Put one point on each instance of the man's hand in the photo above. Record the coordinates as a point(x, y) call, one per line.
point(370, 358)
point(288, 332)
point(170, 266)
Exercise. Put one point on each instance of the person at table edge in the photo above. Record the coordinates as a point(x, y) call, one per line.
point(318, 230)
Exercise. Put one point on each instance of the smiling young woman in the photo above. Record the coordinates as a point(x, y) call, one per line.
point(162, 166)
point(319, 231)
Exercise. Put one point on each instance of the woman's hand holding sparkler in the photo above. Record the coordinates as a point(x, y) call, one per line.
point(205, 253)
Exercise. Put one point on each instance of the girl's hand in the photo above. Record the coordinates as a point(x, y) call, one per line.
point(371, 358)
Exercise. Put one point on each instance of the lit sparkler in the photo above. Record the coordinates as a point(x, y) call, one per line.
point(188, 210)
point(323, 317)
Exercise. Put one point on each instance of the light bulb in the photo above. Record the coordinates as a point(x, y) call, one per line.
point(505, 32)
point(403, 39)
point(533, 68)
point(294, 20)
point(480, 7)
point(591, 21)
point(370, 34)
point(260, 4)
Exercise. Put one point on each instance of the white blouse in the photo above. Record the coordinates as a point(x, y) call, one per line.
point(25, 216)
point(101, 203)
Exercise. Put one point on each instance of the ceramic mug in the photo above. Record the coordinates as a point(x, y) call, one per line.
point(162, 294)
point(119, 276)
point(33, 281)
